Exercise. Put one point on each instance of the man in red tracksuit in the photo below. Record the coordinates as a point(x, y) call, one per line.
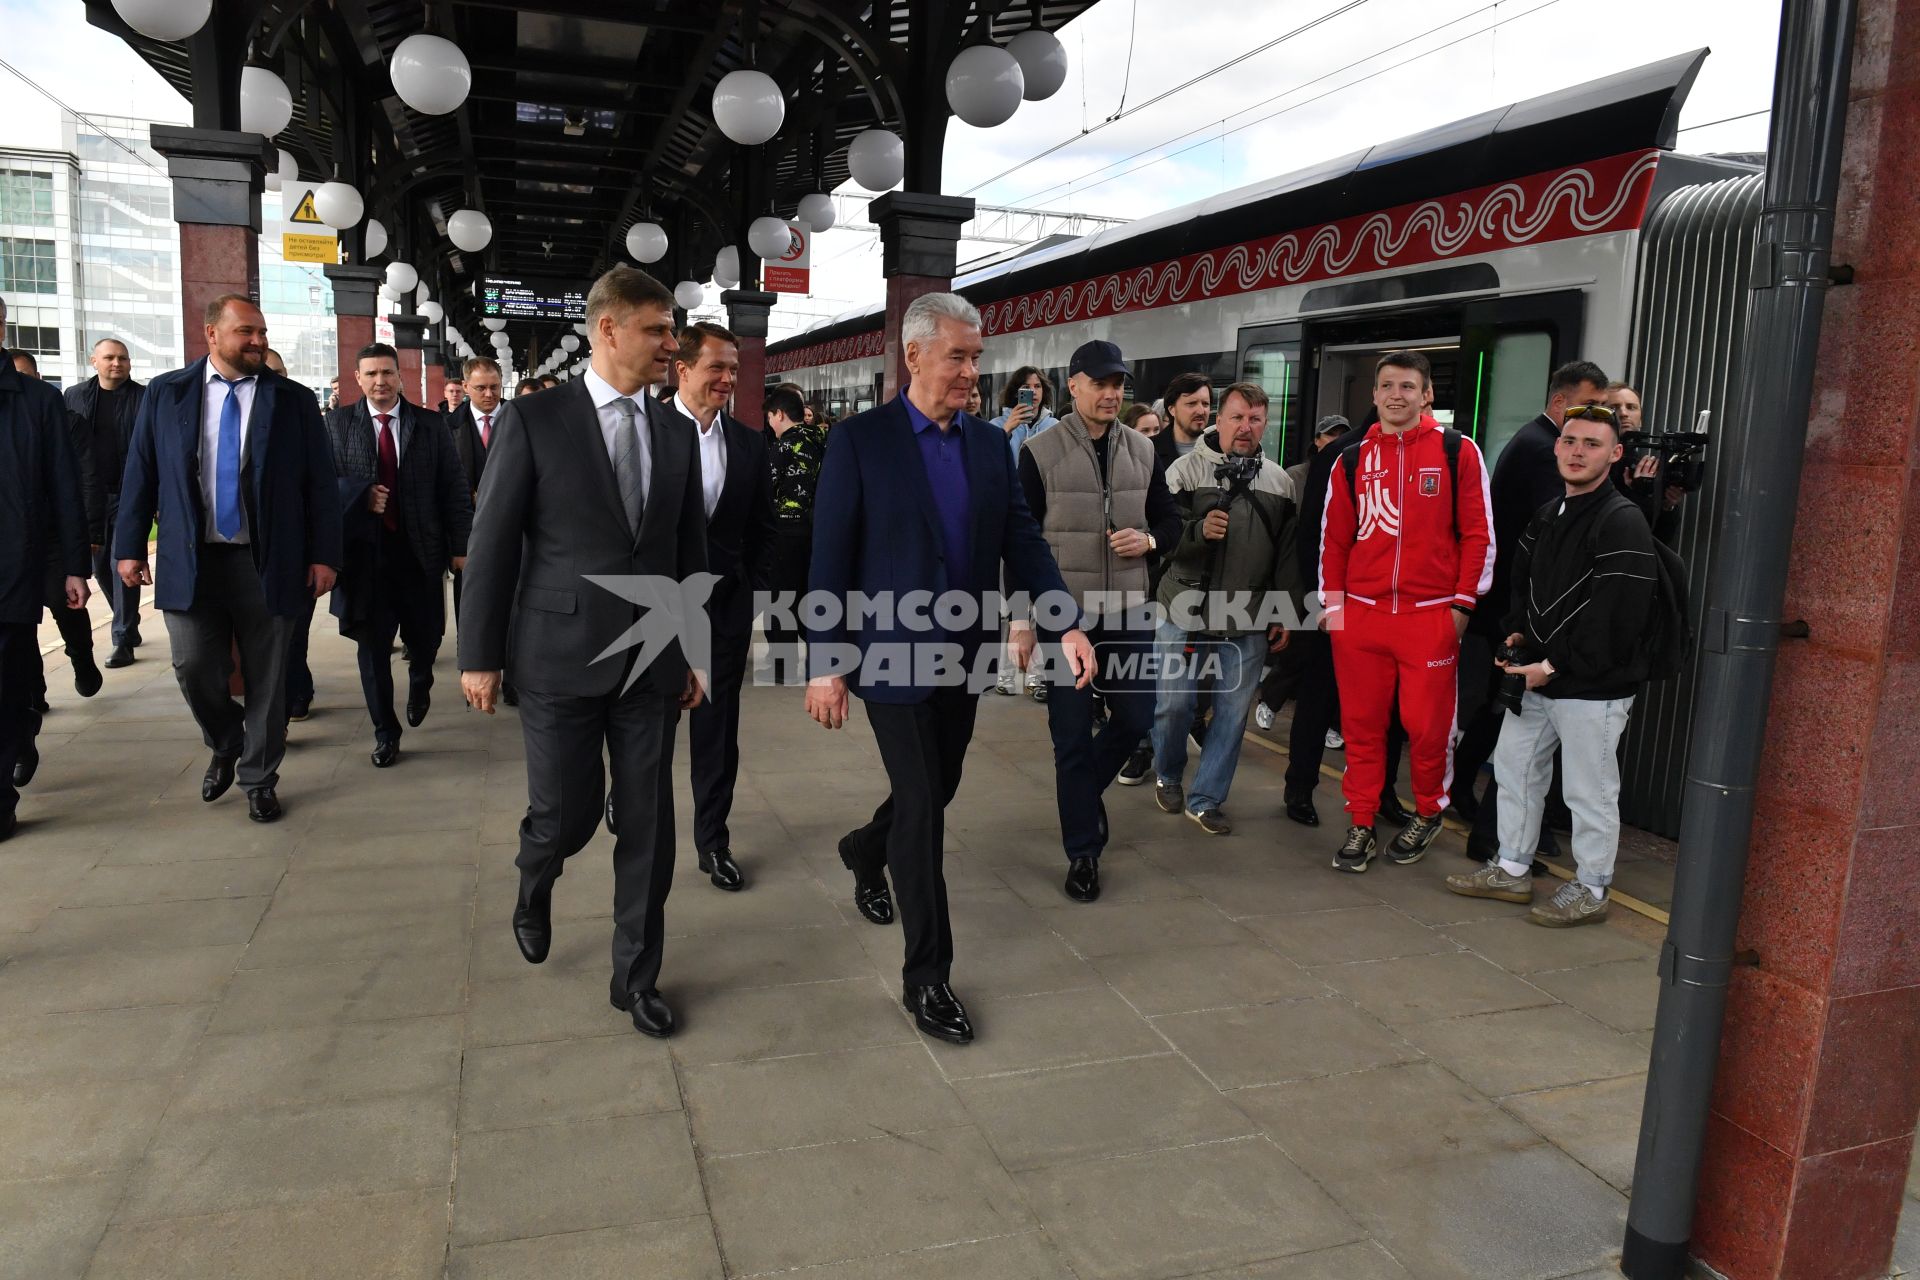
point(1406, 550)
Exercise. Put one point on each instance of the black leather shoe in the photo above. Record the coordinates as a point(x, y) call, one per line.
point(263, 805)
point(723, 870)
point(417, 708)
point(43, 707)
point(122, 656)
point(533, 926)
point(1393, 813)
point(938, 1012)
point(385, 754)
point(651, 1015)
point(9, 823)
point(219, 778)
point(86, 676)
point(1083, 879)
point(299, 710)
point(612, 830)
point(26, 764)
point(870, 892)
point(1301, 810)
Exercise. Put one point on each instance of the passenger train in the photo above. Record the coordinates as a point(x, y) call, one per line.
point(1566, 226)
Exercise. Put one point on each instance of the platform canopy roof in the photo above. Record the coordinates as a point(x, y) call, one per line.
point(586, 116)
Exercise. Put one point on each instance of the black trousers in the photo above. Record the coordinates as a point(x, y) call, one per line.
point(299, 675)
point(125, 599)
point(76, 632)
point(566, 796)
point(404, 601)
point(792, 554)
point(1316, 709)
point(20, 682)
point(1085, 763)
point(713, 743)
point(924, 745)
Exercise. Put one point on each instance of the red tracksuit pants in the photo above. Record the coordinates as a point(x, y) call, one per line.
point(1375, 655)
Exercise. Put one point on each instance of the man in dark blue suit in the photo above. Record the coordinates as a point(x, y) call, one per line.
point(233, 461)
point(918, 496)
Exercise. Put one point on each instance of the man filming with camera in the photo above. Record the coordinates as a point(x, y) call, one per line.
point(1584, 576)
point(1235, 548)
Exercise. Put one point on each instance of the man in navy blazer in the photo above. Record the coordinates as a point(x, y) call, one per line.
point(918, 496)
point(233, 461)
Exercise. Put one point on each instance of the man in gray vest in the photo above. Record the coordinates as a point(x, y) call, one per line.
point(1103, 505)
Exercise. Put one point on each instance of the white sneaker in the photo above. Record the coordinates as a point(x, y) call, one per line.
point(1263, 716)
point(1334, 741)
point(1009, 681)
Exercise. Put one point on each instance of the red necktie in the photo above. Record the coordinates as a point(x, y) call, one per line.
point(486, 431)
point(389, 473)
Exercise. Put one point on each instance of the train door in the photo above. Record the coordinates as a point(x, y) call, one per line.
point(1508, 349)
point(1346, 376)
point(1270, 358)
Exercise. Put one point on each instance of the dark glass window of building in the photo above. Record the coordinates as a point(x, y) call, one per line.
point(27, 266)
point(26, 199)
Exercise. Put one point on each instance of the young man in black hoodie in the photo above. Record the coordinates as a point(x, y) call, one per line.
point(1584, 574)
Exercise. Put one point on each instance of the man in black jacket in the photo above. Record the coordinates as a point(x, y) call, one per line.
point(104, 408)
point(471, 425)
point(74, 624)
point(405, 515)
point(41, 517)
point(1583, 579)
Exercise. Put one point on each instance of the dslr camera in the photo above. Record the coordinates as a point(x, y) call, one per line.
point(1513, 686)
point(1235, 475)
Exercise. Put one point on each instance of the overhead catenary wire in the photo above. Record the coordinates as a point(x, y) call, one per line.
point(1728, 119)
point(81, 116)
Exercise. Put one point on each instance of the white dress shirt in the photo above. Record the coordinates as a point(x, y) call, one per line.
point(713, 455)
point(603, 397)
point(212, 401)
point(393, 424)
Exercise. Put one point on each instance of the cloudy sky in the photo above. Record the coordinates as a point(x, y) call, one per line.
point(1338, 76)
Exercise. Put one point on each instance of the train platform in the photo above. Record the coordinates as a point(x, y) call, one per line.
point(311, 1049)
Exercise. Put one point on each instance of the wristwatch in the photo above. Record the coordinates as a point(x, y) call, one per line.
point(1153, 544)
point(1546, 665)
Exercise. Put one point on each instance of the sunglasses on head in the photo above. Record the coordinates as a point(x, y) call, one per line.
point(1598, 412)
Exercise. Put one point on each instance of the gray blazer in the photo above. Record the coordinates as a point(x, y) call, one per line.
point(549, 514)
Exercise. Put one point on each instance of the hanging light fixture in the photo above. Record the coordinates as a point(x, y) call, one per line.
point(748, 106)
point(433, 311)
point(569, 344)
point(285, 173)
point(401, 277)
point(769, 238)
point(877, 159)
point(726, 267)
point(1043, 62)
point(266, 106)
point(470, 230)
point(646, 242)
point(430, 74)
point(816, 211)
point(164, 19)
point(341, 207)
point(984, 85)
point(495, 323)
point(689, 294)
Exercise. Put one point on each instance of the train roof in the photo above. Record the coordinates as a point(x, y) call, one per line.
point(1631, 111)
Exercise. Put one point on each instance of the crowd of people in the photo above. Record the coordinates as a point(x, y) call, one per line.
point(1147, 570)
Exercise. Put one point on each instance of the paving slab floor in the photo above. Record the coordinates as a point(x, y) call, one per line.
point(311, 1049)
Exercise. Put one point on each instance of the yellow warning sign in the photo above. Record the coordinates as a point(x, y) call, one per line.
point(305, 212)
point(299, 248)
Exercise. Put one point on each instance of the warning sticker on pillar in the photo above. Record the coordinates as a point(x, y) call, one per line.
point(303, 236)
point(791, 271)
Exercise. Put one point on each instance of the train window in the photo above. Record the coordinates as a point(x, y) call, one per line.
point(1513, 378)
point(1275, 368)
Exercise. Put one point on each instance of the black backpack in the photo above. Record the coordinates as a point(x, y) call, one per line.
point(1670, 622)
point(1449, 440)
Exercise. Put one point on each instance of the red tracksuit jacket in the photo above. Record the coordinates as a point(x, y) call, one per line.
point(1399, 551)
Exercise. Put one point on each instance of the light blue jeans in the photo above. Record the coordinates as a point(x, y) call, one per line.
point(1587, 733)
point(1233, 664)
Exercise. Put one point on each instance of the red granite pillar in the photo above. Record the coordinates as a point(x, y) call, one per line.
point(747, 311)
point(213, 260)
point(355, 336)
point(436, 384)
point(410, 374)
point(356, 296)
point(1818, 1092)
point(920, 245)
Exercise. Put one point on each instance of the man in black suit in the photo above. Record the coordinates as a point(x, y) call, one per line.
point(591, 501)
point(737, 494)
point(405, 515)
point(104, 407)
point(471, 425)
point(42, 517)
point(232, 460)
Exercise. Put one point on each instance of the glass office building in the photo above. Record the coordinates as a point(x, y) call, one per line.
point(40, 274)
point(128, 245)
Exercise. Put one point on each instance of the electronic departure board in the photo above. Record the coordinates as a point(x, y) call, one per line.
point(531, 298)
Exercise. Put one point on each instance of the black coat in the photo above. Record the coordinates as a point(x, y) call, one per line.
point(42, 515)
point(107, 447)
point(741, 529)
point(1526, 478)
point(464, 425)
point(436, 508)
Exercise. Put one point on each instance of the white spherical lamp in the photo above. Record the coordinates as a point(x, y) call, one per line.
point(422, 295)
point(430, 74)
point(689, 294)
point(433, 311)
point(984, 84)
point(1043, 62)
point(501, 342)
point(816, 211)
point(646, 242)
point(164, 19)
point(580, 327)
point(265, 104)
point(494, 323)
point(401, 277)
point(726, 267)
point(748, 106)
point(470, 230)
point(769, 237)
point(391, 294)
point(877, 159)
point(339, 206)
point(569, 344)
point(376, 236)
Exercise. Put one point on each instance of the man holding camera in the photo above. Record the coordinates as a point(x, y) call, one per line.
point(1584, 575)
point(1235, 547)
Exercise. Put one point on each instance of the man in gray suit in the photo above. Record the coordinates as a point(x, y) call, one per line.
point(590, 488)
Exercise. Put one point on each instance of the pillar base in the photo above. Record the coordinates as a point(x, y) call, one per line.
point(747, 313)
point(920, 247)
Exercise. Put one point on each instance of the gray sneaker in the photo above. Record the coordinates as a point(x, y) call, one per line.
point(1490, 881)
point(1410, 845)
point(1170, 796)
point(1212, 821)
point(1356, 851)
point(1574, 904)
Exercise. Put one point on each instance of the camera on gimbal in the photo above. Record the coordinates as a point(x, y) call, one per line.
point(1677, 450)
point(1234, 474)
point(1513, 686)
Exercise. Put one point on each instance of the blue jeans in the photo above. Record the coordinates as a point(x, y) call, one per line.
point(1085, 763)
point(1236, 683)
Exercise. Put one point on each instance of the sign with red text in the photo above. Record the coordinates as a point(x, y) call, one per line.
point(790, 272)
